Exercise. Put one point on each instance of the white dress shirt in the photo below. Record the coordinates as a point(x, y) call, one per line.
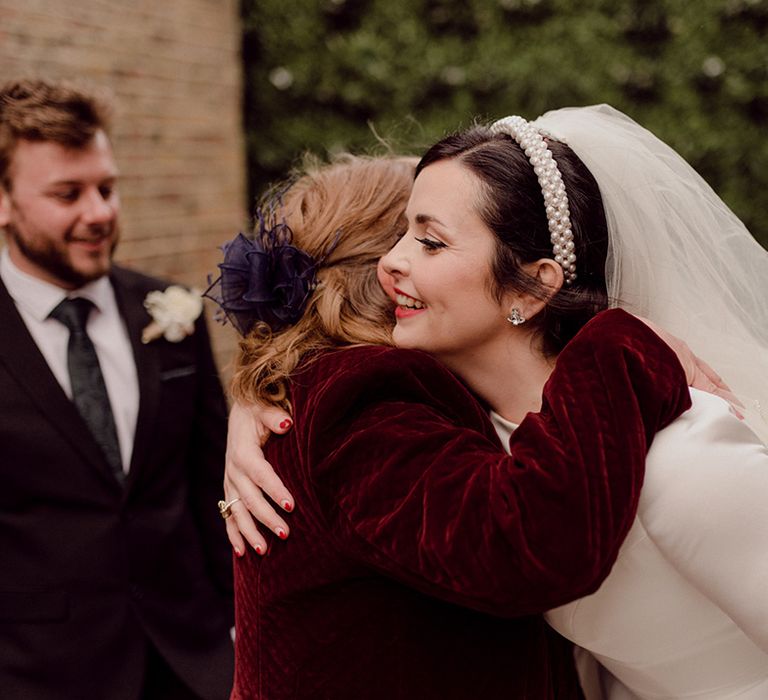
point(35, 299)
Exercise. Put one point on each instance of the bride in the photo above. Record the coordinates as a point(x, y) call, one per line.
point(683, 613)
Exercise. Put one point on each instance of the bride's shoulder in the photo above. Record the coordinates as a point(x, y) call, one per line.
point(701, 467)
point(704, 507)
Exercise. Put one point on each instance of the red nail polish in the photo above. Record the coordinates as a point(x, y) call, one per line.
point(284, 425)
point(238, 553)
point(282, 534)
point(259, 550)
point(287, 506)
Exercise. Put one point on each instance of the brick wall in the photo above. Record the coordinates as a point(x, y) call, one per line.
point(174, 67)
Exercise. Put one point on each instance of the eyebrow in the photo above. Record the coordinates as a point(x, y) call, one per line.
point(427, 219)
point(57, 183)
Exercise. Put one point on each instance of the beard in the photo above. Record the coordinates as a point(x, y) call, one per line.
point(55, 259)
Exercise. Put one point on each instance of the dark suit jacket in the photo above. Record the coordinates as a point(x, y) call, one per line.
point(413, 528)
point(91, 571)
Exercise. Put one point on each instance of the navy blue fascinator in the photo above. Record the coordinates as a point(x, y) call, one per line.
point(264, 278)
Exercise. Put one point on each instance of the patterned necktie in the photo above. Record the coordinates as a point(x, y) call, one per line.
point(89, 392)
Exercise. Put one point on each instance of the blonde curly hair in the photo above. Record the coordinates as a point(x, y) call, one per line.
point(360, 200)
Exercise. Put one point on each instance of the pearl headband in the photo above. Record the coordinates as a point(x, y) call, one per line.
point(552, 187)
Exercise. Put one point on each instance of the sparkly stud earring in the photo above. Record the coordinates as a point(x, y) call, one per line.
point(515, 317)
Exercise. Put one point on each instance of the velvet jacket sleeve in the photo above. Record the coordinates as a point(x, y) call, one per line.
point(413, 481)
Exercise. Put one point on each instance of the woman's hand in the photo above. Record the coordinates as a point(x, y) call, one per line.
point(697, 372)
point(249, 477)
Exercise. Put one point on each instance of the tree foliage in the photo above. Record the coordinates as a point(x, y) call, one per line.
point(330, 75)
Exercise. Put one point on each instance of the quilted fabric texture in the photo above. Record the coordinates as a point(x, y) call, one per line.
point(420, 553)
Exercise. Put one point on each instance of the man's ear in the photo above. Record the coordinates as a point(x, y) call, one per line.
point(550, 275)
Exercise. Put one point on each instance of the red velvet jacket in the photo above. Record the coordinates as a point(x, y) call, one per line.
point(415, 535)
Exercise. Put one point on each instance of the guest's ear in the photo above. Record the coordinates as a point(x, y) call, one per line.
point(5, 206)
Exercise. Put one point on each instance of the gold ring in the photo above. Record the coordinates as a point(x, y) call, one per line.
point(225, 508)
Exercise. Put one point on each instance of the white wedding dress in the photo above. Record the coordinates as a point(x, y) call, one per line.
point(684, 612)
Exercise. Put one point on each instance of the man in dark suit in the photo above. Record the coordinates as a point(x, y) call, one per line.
point(116, 573)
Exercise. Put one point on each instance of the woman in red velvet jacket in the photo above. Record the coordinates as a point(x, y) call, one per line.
point(415, 529)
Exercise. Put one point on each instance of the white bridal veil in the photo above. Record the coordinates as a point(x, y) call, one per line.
point(677, 254)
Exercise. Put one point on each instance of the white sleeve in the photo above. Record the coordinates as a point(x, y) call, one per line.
point(709, 513)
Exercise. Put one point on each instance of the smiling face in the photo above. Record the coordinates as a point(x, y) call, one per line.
point(442, 270)
point(61, 211)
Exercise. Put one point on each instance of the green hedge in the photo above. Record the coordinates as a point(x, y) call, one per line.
point(330, 75)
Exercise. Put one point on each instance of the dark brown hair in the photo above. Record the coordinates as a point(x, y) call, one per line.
point(512, 207)
point(40, 110)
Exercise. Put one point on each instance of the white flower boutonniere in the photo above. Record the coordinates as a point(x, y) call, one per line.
point(173, 313)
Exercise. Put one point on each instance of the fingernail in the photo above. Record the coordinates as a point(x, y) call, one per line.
point(287, 506)
point(284, 425)
point(259, 550)
point(238, 553)
point(282, 534)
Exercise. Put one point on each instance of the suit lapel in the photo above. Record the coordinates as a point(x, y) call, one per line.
point(130, 300)
point(27, 365)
